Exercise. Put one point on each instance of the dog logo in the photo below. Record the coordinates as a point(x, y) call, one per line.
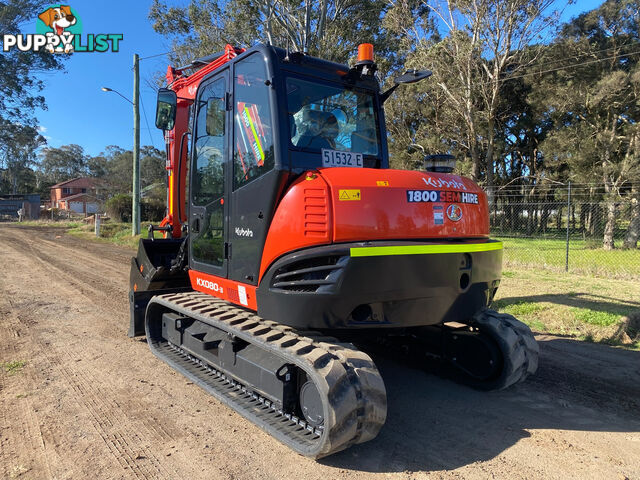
point(454, 212)
point(59, 30)
point(59, 19)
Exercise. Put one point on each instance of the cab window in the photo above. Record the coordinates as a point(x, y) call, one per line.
point(253, 136)
point(208, 168)
point(207, 176)
point(331, 116)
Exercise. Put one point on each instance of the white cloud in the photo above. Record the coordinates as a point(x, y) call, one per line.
point(42, 128)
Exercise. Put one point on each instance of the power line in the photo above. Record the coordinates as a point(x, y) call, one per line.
point(567, 67)
point(146, 121)
point(578, 55)
point(154, 56)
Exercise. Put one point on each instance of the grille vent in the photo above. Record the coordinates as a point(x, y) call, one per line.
point(317, 274)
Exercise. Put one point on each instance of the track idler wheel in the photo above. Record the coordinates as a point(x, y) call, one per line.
point(494, 352)
point(311, 404)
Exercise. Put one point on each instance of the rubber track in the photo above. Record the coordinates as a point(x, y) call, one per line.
point(353, 391)
point(519, 347)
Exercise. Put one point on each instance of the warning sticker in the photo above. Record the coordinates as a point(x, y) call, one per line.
point(345, 195)
point(382, 183)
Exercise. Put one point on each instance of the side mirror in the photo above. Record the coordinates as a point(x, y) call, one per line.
point(215, 117)
point(410, 76)
point(166, 109)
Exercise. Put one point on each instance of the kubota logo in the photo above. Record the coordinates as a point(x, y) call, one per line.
point(244, 232)
point(201, 282)
point(442, 183)
point(59, 30)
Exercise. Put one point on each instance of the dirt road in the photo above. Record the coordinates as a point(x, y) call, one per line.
point(92, 403)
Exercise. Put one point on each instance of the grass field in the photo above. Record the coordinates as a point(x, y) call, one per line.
point(574, 305)
point(584, 257)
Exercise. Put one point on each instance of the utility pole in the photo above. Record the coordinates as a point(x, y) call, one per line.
point(135, 214)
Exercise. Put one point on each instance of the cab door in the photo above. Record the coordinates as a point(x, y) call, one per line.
point(255, 181)
point(208, 190)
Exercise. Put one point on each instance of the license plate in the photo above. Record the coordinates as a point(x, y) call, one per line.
point(335, 158)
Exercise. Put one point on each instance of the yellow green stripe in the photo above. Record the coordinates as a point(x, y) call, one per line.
point(255, 134)
point(425, 249)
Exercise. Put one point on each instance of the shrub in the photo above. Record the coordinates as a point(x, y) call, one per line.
point(119, 207)
point(152, 210)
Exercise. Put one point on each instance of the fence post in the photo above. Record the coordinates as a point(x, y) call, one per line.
point(566, 265)
point(97, 224)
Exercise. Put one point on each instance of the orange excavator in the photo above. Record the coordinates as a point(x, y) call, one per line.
point(292, 251)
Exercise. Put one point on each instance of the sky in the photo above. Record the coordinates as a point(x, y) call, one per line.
point(80, 112)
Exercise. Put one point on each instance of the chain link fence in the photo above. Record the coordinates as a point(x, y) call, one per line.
point(575, 228)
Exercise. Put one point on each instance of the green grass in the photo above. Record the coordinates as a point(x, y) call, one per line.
point(14, 367)
point(603, 319)
point(50, 223)
point(583, 307)
point(112, 232)
point(521, 308)
point(524, 311)
point(585, 256)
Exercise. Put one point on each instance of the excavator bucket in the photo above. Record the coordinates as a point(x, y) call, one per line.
point(152, 274)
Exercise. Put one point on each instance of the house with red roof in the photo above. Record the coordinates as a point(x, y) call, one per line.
point(76, 195)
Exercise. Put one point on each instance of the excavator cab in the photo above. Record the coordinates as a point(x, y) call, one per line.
point(287, 237)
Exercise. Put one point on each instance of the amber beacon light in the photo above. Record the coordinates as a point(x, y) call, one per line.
point(365, 53)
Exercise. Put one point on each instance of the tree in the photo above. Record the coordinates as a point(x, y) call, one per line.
point(596, 107)
point(18, 144)
point(64, 163)
point(119, 177)
point(328, 28)
point(152, 168)
point(97, 167)
point(486, 43)
point(19, 87)
point(19, 82)
point(114, 167)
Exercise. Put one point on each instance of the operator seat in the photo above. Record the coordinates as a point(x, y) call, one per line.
point(330, 130)
point(314, 136)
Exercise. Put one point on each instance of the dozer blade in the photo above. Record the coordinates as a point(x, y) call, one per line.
point(313, 394)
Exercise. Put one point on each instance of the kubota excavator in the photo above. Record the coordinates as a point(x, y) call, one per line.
point(289, 240)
